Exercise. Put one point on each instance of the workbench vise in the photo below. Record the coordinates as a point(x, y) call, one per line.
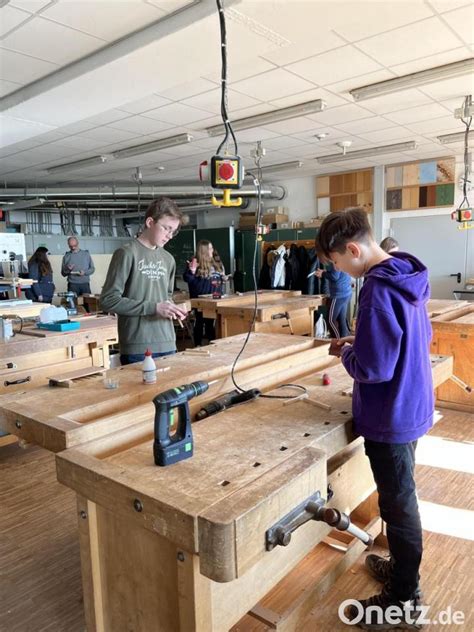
point(313, 508)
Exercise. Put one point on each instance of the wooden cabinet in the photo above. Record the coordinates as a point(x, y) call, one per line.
point(420, 184)
point(337, 192)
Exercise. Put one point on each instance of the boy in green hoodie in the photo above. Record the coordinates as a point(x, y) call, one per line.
point(139, 286)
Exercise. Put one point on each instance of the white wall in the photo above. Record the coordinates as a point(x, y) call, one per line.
point(300, 199)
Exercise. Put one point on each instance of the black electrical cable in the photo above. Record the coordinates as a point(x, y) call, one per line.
point(224, 113)
point(467, 123)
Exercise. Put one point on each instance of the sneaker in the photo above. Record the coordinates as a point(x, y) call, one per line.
point(385, 612)
point(379, 567)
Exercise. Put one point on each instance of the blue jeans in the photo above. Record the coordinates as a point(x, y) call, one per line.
point(131, 358)
point(393, 467)
point(337, 317)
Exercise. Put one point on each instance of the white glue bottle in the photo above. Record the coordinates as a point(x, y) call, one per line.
point(149, 368)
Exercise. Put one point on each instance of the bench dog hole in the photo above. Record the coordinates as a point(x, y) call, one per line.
point(283, 448)
point(307, 434)
point(256, 464)
point(224, 483)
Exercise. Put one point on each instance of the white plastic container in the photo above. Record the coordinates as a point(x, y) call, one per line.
point(149, 368)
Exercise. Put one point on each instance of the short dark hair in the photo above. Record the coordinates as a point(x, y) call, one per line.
point(389, 243)
point(164, 206)
point(341, 227)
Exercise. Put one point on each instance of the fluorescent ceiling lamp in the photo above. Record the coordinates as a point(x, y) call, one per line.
point(457, 137)
point(275, 116)
point(155, 145)
point(282, 166)
point(370, 151)
point(414, 80)
point(79, 164)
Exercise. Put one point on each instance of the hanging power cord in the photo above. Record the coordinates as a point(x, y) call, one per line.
point(258, 186)
point(467, 123)
point(224, 102)
point(464, 212)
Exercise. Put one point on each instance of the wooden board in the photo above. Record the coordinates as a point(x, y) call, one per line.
point(436, 307)
point(208, 305)
point(68, 379)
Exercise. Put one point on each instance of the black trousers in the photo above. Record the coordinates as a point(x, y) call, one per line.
point(203, 328)
point(79, 288)
point(337, 317)
point(393, 467)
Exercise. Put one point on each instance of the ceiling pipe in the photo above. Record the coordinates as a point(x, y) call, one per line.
point(272, 191)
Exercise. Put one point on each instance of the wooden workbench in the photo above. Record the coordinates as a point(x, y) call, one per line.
point(209, 306)
point(56, 418)
point(29, 358)
point(183, 547)
point(285, 311)
point(453, 334)
point(436, 307)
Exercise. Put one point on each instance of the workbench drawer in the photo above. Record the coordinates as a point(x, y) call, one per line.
point(20, 380)
point(43, 358)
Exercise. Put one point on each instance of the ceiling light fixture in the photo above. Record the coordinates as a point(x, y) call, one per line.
point(321, 136)
point(275, 116)
point(457, 137)
point(282, 166)
point(79, 164)
point(370, 151)
point(344, 145)
point(413, 80)
point(155, 145)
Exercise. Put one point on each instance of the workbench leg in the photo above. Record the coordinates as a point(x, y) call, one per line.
point(194, 595)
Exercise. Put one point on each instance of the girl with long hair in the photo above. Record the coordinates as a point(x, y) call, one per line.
point(203, 275)
point(39, 269)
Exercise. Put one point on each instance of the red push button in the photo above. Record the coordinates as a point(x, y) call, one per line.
point(226, 171)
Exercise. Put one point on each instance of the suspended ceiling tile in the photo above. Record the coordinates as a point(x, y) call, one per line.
point(366, 125)
point(332, 135)
point(450, 88)
point(8, 86)
point(188, 89)
point(448, 5)
point(238, 71)
point(177, 113)
point(51, 42)
point(341, 114)
point(405, 43)
point(255, 134)
point(78, 143)
point(211, 101)
point(441, 125)
point(11, 18)
point(21, 68)
point(109, 116)
point(420, 113)
point(32, 6)
point(284, 142)
point(13, 130)
point(304, 48)
point(431, 61)
point(168, 6)
point(310, 95)
point(334, 66)
point(272, 85)
point(150, 102)
point(292, 126)
point(140, 125)
point(394, 133)
point(377, 16)
point(10, 150)
point(76, 128)
point(107, 134)
point(106, 20)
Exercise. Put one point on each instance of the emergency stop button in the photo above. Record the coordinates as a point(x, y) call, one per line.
point(226, 171)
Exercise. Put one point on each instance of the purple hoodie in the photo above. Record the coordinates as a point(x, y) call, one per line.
point(393, 399)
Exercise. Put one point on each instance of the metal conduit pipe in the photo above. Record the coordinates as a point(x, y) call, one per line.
point(272, 191)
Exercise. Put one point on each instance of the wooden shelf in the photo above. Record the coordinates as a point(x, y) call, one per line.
point(338, 191)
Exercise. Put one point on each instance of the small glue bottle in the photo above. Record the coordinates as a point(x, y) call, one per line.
point(149, 368)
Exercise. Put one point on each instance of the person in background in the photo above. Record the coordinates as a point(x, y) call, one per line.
point(77, 266)
point(139, 286)
point(340, 293)
point(392, 402)
point(389, 244)
point(203, 270)
point(39, 269)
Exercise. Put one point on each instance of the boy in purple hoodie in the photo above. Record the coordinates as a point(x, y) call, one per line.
point(393, 400)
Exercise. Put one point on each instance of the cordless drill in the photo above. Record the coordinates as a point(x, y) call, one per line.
point(168, 449)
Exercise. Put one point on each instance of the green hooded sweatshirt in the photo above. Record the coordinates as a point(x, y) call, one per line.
point(138, 278)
